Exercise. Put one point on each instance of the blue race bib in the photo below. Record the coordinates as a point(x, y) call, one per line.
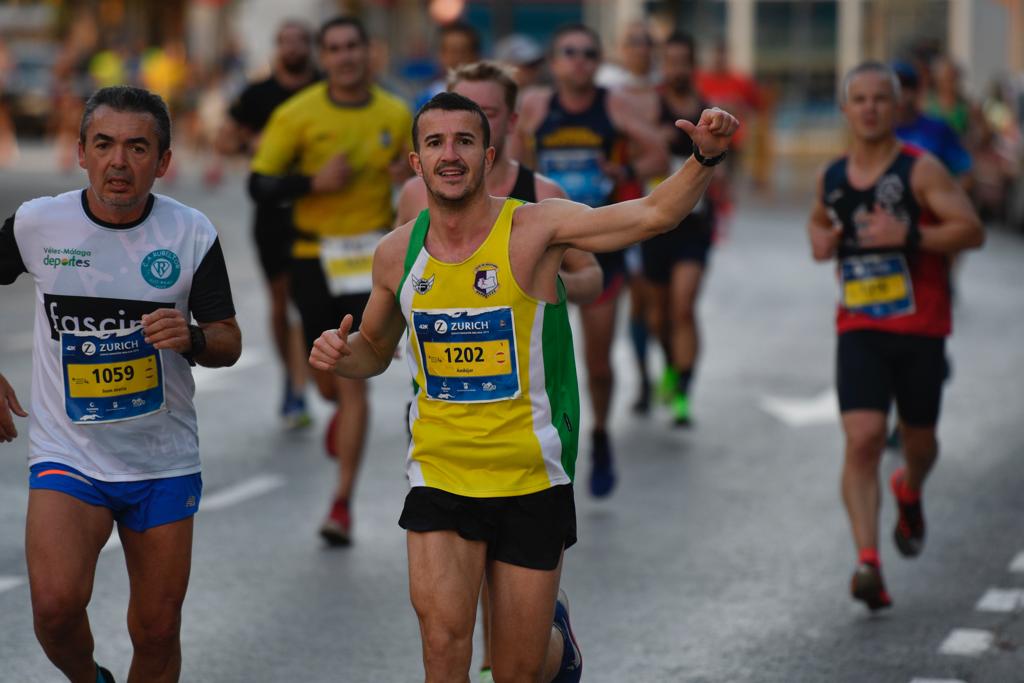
point(109, 377)
point(877, 285)
point(468, 355)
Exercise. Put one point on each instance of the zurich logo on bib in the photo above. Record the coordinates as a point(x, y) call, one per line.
point(161, 268)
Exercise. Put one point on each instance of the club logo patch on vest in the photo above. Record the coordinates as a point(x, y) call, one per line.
point(485, 280)
point(421, 285)
point(161, 268)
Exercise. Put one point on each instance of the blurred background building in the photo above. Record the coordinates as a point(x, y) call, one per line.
point(198, 53)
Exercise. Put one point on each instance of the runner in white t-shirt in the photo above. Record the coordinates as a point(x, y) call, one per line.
point(119, 273)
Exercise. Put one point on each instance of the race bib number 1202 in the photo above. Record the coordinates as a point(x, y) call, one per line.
point(468, 355)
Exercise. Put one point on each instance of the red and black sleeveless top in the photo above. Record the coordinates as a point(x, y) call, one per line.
point(921, 303)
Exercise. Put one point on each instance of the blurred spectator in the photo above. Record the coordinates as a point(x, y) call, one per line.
point(108, 67)
point(931, 134)
point(524, 54)
point(8, 141)
point(633, 73)
point(458, 44)
point(998, 157)
point(948, 102)
point(163, 71)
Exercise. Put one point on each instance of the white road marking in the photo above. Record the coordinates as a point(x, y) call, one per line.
point(16, 341)
point(242, 491)
point(1018, 563)
point(9, 582)
point(1001, 600)
point(802, 412)
point(209, 379)
point(112, 543)
point(966, 642)
point(232, 495)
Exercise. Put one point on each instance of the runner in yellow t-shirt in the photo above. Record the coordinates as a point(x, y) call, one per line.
point(334, 149)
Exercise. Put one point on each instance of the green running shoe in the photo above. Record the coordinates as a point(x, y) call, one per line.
point(486, 676)
point(667, 387)
point(681, 410)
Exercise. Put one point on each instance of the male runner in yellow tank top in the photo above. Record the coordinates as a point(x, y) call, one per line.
point(473, 286)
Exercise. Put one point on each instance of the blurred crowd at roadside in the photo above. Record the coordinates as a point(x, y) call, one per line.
point(42, 94)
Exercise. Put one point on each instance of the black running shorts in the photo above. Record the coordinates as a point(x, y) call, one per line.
point(690, 241)
point(273, 234)
point(526, 531)
point(318, 309)
point(873, 367)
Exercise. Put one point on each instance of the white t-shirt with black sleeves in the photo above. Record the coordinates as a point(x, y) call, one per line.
point(93, 276)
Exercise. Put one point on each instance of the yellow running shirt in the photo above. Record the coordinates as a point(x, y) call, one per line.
point(308, 130)
point(497, 409)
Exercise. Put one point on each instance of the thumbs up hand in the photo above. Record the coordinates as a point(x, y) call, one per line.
point(331, 347)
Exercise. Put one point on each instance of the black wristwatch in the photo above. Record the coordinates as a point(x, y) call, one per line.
point(197, 338)
point(704, 161)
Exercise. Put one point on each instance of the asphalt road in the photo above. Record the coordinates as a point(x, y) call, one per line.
point(722, 556)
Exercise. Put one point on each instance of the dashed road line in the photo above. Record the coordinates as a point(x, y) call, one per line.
point(967, 642)
point(9, 582)
point(802, 412)
point(1001, 600)
point(226, 497)
point(1017, 565)
point(242, 491)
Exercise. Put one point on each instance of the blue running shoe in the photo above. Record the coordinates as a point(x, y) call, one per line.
point(572, 659)
point(295, 415)
point(602, 474)
point(103, 675)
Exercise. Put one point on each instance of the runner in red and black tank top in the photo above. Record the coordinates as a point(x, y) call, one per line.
point(892, 216)
point(927, 312)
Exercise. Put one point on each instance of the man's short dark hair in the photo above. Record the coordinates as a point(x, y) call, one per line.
point(299, 24)
point(686, 40)
point(465, 29)
point(131, 99)
point(566, 29)
point(342, 21)
point(450, 101)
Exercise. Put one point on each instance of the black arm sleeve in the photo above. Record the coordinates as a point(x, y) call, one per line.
point(11, 265)
point(278, 189)
point(210, 297)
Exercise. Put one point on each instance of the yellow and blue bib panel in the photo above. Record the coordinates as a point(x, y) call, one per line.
point(496, 411)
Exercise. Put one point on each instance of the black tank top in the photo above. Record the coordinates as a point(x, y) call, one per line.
point(850, 206)
point(525, 187)
point(572, 145)
point(681, 145)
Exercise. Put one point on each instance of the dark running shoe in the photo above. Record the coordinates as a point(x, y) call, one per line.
point(104, 675)
point(868, 587)
point(909, 531)
point(572, 659)
point(337, 528)
point(642, 404)
point(602, 473)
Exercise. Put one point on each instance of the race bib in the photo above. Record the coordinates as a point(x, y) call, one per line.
point(110, 377)
point(877, 285)
point(468, 356)
point(348, 262)
point(579, 173)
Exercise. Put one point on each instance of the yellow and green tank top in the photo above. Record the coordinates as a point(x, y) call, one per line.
point(496, 407)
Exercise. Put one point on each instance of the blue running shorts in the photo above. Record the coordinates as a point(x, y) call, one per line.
point(139, 505)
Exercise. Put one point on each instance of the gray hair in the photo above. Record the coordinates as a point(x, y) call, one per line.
point(870, 67)
point(130, 99)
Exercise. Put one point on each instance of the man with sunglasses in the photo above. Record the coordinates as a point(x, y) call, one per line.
point(581, 134)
